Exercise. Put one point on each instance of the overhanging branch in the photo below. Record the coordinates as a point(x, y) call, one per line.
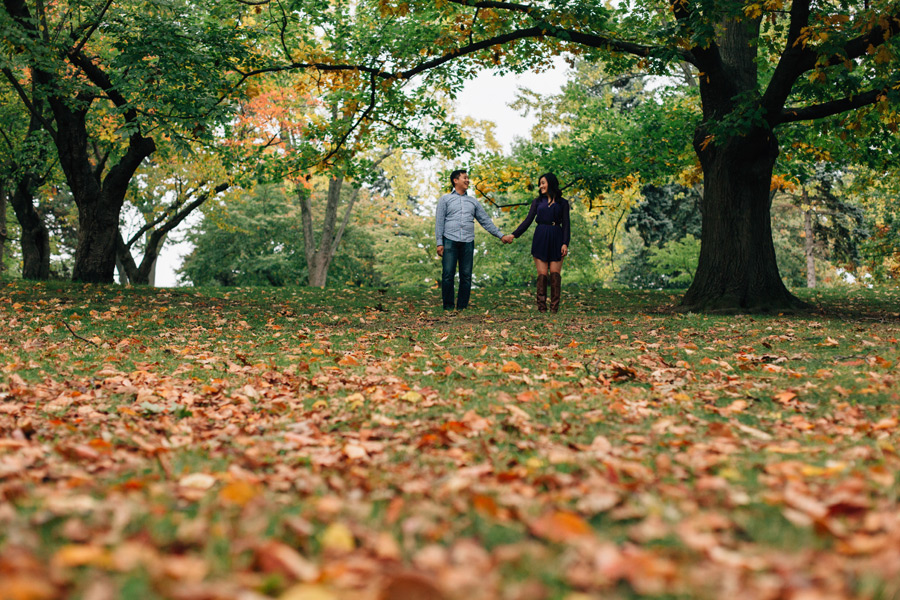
point(827, 109)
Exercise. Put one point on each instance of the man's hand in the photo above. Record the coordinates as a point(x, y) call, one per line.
point(565, 250)
point(440, 251)
point(508, 238)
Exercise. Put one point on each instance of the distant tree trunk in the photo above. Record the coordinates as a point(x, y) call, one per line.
point(4, 235)
point(318, 258)
point(808, 241)
point(35, 240)
point(155, 232)
point(151, 276)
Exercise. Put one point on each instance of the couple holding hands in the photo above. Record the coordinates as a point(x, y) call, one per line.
point(455, 237)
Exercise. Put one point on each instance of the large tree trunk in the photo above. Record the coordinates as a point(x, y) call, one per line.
point(737, 270)
point(99, 200)
point(35, 240)
point(95, 254)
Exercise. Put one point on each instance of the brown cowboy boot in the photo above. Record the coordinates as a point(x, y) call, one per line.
point(555, 290)
point(542, 293)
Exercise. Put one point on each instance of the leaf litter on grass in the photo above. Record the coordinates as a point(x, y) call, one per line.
point(304, 444)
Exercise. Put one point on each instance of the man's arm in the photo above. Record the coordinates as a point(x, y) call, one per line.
point(439, 218)
point(485, 221)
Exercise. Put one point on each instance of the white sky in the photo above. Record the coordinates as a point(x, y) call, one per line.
point(487, 97)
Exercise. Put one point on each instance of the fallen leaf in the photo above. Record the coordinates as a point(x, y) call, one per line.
point(511, 367)
point(337, 538)
point(560, 526)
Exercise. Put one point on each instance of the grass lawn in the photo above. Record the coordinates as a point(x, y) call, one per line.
point(361, 443)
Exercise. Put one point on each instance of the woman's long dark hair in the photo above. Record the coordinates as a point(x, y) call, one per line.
point(553, 192)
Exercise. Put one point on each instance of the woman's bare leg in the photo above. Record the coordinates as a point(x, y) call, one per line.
point(541, 286)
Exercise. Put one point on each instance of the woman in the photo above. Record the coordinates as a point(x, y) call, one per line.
point(551, 239)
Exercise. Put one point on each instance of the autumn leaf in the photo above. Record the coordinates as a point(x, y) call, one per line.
point(511, 367)
point(337, 538)
point(560, 526)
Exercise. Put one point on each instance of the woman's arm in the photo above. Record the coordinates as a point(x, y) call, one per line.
point(565, 207)
point(532, 212)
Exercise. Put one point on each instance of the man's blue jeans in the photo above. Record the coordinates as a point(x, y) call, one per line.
point(462, 253)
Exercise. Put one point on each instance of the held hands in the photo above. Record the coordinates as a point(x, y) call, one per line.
point(508, 238)
point(440, 250)
point(565, 250)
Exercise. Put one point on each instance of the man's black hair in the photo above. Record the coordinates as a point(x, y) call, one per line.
point(454, 176)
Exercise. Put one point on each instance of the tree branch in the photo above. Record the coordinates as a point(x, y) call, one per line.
point(23, 95)
point(354, 196)
point(827, 109)
point(93, 27)
point(877, 36)
point(99, 78)
point(790, 65)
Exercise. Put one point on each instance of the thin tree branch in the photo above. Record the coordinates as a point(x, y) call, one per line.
point(353, 198)
point(78, 336)
point(23, 95)
point(87, 36)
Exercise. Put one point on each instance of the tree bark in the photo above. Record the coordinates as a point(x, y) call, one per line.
point(737, 270)
point(318, 259)
point(99, 201)
point(155, 232)
point(4, 235)
point(35, 240)
point(809, 240)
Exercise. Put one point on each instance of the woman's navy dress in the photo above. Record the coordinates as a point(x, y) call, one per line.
point(552, 231)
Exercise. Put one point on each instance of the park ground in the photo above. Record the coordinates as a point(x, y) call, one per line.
point(361, 443)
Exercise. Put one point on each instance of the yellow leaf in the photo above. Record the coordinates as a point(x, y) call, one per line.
point(412, 396)
point(337, 537)
point(307, 591)
point(81, 555)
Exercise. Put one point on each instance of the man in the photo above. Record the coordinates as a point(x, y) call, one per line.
point(455, 237)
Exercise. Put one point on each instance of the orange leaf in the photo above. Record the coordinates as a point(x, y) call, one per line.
point(80, 555)
point(561, 526)
point(485, 505)
point(511, 367)
point(26, 587)
point(784, 397)
point(526, 396)
point(239, 492)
